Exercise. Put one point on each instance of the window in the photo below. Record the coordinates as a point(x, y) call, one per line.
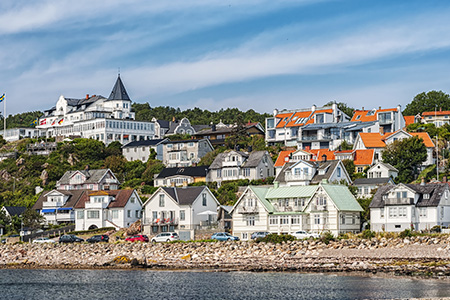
point(129, 213)
point(360, 169)
point(161, 200)
point(204, 199)
point(155, 215)
point(80, 214)
point(402, 212)
point(137, 214)
point(182, 215)
point(93, 214)
point(219, 173)
point(284, 220)
point(132, 200)
point(273, 220)
point(423, 212)
point(392, 212)
point(382, 212)
point(317, 219)
point(246, 172)
point(426, 196)
point(338, 172)
point(250, 220)
point(295, 220)
point(115, 214)
point(343, 219)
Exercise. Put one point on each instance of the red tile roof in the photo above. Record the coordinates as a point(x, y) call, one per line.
point(284, 117)
point(425, 137)
point(409, 120)
point(363, 157)
point(318, 153)
point(437, 113)
point(361, 115)
point(296, 116)
point(281, 159)
point(372, 140)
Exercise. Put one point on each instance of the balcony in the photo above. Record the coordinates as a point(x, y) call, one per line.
point(248, 209)
point(319, 208)
point(384, 121)
point(96, 205)
point(288, 208)
point(399, 201)
point(235, 163)
point(300, 177)
point(160, 221)
point(309, 138)
point(49, 205)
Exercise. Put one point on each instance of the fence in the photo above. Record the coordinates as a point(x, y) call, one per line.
point(51, 232)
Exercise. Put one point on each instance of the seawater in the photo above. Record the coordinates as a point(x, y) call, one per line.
point(145, 284)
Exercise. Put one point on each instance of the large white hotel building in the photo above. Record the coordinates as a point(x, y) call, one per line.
point(104, 119)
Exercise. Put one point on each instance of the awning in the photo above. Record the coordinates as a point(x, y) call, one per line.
point(47, 211)
point(65, 208)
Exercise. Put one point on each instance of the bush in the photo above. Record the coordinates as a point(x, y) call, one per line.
point(406, 233)
point(327, 237)
point(368, 234)
point(343, 236)
point(276, 238)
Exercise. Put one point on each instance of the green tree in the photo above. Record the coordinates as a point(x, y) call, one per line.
point(407, 156)
point(32, 219)
point(350, 167)
point(427, 102)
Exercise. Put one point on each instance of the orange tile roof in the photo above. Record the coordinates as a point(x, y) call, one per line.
point(363, 116)
point(281, 159)
point(409, 120)
point(425, 137)
point(318, 153)
point(437, 113)
point(344, 151)
point(282, 116)
point(372, 140)
point(363, 157)
point(296, 116)
point(386, 109)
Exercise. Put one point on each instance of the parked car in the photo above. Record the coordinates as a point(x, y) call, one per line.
point(224, 236)
point(259, 234)
point(305, 235)
point(137, 238)
point(70, 238)
point(166, 237)
point(98, 238)
point(43, 240)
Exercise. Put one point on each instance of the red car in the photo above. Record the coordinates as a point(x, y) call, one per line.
point(137, 238)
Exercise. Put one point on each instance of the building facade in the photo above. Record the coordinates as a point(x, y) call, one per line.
point(184, 153)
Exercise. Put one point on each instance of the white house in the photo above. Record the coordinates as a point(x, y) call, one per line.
point(311, 172)
point(184, 153)
point(410, 206)
point(101, 179)
point(382, 170)
point(141, 150)
point(57, 205)
point(117, 208)
point(284, 210)
point(179, 208)
point(233, 165)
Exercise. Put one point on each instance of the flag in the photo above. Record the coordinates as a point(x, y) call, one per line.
point(2, 97)
point(54, 122)
point(43, 122)
point(34, 122)
point(60, 121)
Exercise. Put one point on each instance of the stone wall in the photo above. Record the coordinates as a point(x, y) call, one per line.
point(410, 256)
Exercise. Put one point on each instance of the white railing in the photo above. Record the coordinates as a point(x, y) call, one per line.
point(291, 177)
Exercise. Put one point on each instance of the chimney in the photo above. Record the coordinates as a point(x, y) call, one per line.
point(87, 96)
point(381, 130)
point(307, 148)
point(363, 108)
point(379, 107)
point(276, 184)
point(444, 179)
point(324, 158)
point(313, 108)
point(213, 127)
point(250, 149)
point(185, 184)
point(172, 183)
point(422, 182)
point(173, 119)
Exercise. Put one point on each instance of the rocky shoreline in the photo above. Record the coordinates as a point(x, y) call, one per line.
point(415, 256)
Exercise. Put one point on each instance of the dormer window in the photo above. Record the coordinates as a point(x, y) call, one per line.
point(426, 196)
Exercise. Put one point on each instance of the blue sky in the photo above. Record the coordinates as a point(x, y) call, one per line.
point(251, 54)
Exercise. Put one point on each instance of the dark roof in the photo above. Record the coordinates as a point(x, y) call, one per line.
point(164, 123)
point(121, 198)
point(74, 197)
point(119, 92)
point(186, 171)
point(181, 141)
point(15, 210)
point(254, 159)
point(372, 181)
point(184, 195)
point(435, 192)
point(220, 130)
point(328, 166)
point(143, 143)
point(92, 176)
point(218, 161)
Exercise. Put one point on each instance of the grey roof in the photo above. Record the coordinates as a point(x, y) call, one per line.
point(184, 195)
point(372, 181)
point(201, 171)
point(15, 210)
point(348, 126)
point(119, 92)
point(144, 143)
point(74, 197)
point(218, 161)
point(167, 141)
point(328, 165)
point(254, 159)
point(434, 190)
point(92, 176)
point(163, 123)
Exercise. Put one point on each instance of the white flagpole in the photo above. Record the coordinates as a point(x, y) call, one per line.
point(4, 117)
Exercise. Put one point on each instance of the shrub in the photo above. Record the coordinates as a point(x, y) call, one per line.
point(343, 236)
point(406, 233)
point(327, 237)
point(368, 234)
point(276, 238)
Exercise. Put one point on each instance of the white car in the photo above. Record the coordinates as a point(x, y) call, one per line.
point(166, 237)
point(300, 235)
point(43, 240)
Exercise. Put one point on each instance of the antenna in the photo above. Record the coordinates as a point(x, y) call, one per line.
point(118, 71)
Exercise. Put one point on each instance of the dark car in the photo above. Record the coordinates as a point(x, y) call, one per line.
point(98, 238)
point(70, 238)
point(137, 238)
point(259, 234)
